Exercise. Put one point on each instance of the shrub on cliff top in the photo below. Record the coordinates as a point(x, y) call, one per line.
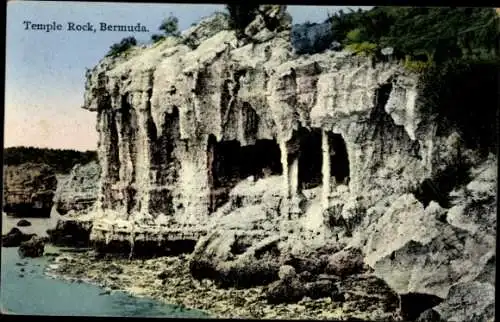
point(422, 37)
point(169, 27)
point(122, 46)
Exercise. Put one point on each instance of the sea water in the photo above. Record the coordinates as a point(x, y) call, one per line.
point(25, 289)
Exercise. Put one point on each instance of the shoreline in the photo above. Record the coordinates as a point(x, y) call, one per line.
point(176, 286)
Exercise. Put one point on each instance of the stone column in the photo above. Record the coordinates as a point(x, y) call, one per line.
point(143, 162)
point(325, 169)
point(293, 174)
point(285, 206)
point(284, 165)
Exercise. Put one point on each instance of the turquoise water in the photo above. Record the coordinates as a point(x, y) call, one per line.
point(36, 294)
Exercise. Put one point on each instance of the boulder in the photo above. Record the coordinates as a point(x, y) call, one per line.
point(291, 289)
point(286, 272)
point(15, 237)
point(284, 291)
point(346, 262)
point(32, 248)
point(468, 301)
point(321, 288)
point(28, 190)
point(213, 258)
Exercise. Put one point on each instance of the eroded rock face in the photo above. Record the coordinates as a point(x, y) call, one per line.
point(78, 192)
point(169, 114)
point(28, 190)
point(432, 250)
point(274, 155)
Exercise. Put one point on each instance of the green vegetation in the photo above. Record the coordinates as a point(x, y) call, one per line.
point(60, 160)
point(240, 16)
point(121, 47)
point(422, 37)
point(454, 49)
point(169, 27)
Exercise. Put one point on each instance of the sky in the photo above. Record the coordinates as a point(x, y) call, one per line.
point(45, 71)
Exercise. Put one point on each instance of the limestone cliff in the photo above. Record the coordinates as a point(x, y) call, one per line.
point(28, 190)
point(78, 191)
point(250, 137)
point(168, 114)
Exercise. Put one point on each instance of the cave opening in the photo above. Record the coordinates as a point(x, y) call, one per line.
point(339, 160)
point(413, 304)
point(230, 163)
point(310, 159)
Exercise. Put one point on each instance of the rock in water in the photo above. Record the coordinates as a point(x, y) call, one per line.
point(23, 223)
point(32, 248)
point(15, 237)
point(79, 191)
point(28, 190)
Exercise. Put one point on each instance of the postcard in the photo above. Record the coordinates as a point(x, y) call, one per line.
point(250, 161)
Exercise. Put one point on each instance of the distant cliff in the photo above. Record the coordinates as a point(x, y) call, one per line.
point(28, 190)
point(59, 159)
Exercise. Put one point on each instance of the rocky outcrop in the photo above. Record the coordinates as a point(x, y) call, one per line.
point(78, 192)
point(266, 156)
point(15, 237)
point(28, 190)
point(430, 250)
point(32, 248)
point(309, 38)
point(168, 115)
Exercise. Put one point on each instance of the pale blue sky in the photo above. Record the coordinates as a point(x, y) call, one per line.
point(45, 70)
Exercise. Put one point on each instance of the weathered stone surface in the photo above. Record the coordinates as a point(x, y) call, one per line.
point(32, 248)
point(78, 192)
point(28, 190)
point(345, 262)
point(268, 23)
point(205, 29)
point(311, 38)
point(469, 301)
point(217, 257)
point(273, 154)
point(15, 237)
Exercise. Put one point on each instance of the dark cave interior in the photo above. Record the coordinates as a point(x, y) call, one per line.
point(230, 163)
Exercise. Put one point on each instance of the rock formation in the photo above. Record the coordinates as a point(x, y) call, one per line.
point(32, 248)
point(28, 190)
point(15, 237)
point(78, 192)
point(269, 154)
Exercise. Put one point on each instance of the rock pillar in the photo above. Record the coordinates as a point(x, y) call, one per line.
point(325, 169)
